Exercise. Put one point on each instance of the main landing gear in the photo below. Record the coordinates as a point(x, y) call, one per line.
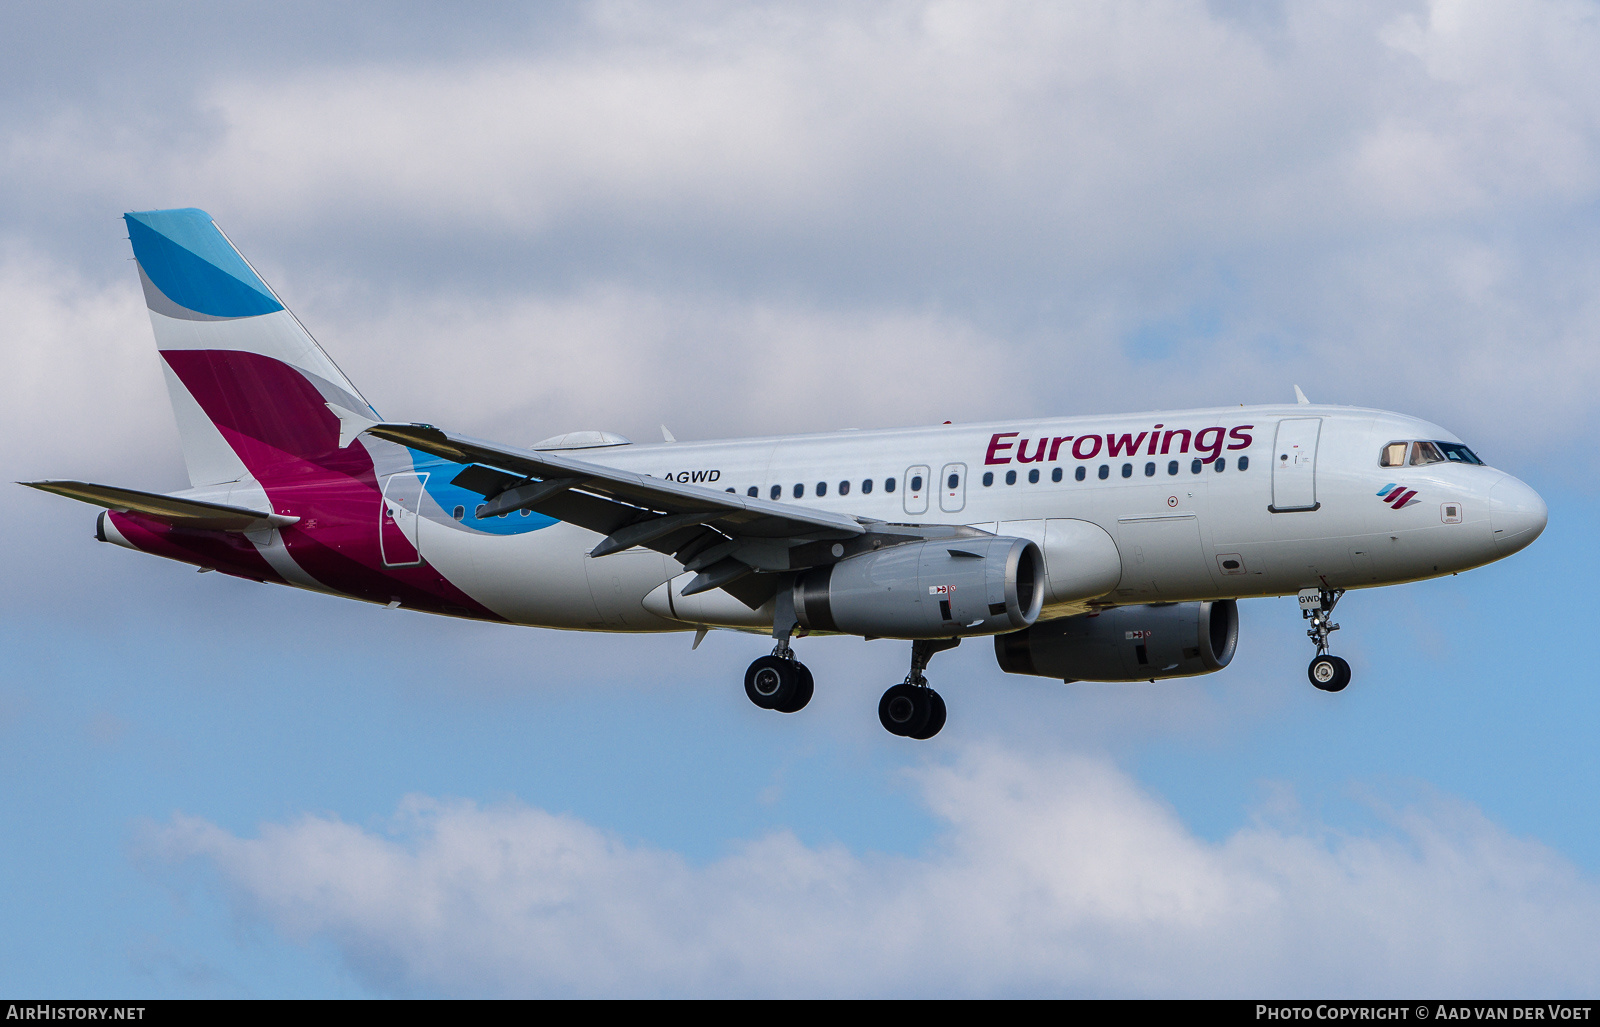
point(911, 709)
point(1329, 673)
point(780, 682)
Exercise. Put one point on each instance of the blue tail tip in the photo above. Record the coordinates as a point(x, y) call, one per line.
point(186, 257)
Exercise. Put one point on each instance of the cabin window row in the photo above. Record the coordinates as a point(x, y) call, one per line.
point(798, 490)
point(459, 512)
point(1173, 466)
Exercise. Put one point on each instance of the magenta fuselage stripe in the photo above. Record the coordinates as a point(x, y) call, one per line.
point(278, 424)
point(228, 552)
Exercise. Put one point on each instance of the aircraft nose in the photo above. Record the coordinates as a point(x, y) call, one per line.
point(1516, 515)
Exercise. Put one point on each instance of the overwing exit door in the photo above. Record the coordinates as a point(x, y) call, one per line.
point(953, 488)
point(1294, 464)
point(915, 489)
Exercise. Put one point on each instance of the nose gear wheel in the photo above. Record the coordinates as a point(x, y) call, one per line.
point(1329, 673)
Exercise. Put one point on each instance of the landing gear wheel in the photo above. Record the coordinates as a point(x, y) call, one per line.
point(803, 689)
point(1329, 673)
point(772, 682)
point(905, 710)
point(936, 714)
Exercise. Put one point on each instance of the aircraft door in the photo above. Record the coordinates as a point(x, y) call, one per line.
point(953, 488)
point(1294, 464)
point(916, 489)
point(397, 519)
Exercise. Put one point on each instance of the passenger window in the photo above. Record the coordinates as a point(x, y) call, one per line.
point(1011, 477)
point(1244, 463)
point(1222, 464)
point(730, 490)
point(822, 489)
point(459, 512)
point(988, 478)
point(526, 512)
point(1150, 470)
point(799, 490)
point(1055, 475)
point(1105, 471)
point(952, 481)
point(1425, 453)
point(1033, 476)
point(888, 485)
point(1194, 468)
point(754, 492)
point(916, 483)
point(1394, 455)
point(1127, 470)
point(844, 488)
point(479, 511)
point(866, 486)
point(1079, 474)
point(1172, 467)
point(777, 491)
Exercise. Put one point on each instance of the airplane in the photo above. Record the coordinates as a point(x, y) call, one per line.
point(1091, 548)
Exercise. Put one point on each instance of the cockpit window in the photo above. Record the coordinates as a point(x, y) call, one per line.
point(1457, 452)
point(1423, 452)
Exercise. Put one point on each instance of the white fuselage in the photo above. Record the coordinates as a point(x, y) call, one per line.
point(1283, 522)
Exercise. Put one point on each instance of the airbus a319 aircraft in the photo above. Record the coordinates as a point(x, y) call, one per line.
point(1105, 548)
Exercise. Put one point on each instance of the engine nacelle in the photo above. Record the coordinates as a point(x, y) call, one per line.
point(1128, 643)
point(937, 589)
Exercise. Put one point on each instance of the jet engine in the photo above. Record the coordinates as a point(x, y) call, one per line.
point(936, 589)
point(1128, 643)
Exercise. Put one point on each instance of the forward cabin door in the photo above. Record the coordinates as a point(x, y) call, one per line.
point(1294, 464)
point(397, 519)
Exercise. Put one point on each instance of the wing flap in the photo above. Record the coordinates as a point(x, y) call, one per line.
point(174, 510)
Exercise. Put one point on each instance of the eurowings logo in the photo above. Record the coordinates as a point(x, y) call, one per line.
point(1396, 496)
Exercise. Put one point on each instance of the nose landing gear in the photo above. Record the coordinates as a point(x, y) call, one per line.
point(1329, 673)
point(911, 709)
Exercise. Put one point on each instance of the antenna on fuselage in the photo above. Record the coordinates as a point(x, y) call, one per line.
point(1300, 397)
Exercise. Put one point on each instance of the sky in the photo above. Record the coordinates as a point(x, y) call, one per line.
point(518, 220)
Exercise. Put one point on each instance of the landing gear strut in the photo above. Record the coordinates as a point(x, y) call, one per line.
point(1329, 673)
point(911, 709)
point(780, 682)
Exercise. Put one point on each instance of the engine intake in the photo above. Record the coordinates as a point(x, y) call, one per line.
point(937, 589)
point(1129, 643)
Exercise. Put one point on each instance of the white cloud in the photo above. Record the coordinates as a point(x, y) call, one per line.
point(1057, 875)
point(955, 210)
point(83, 383)
point(625, 359)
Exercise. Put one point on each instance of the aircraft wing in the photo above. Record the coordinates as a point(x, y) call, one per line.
point(723, 535)
point(174, 510)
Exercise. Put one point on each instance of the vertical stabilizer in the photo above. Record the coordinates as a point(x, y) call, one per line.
point(250, 387)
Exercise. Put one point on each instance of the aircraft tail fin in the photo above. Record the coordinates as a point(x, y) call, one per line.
point(252, 391)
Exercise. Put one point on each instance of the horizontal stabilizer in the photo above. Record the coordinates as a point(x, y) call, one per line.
point(182, 513)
